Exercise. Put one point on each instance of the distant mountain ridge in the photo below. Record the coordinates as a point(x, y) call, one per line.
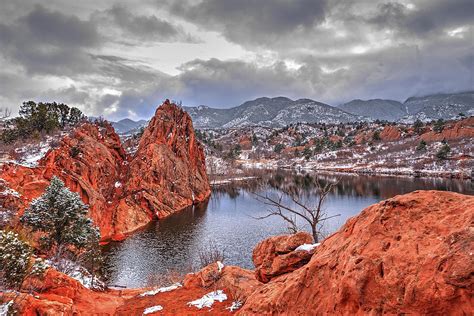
point(426, 108)
point(272, 112)
point(127, 125)
point(378, 109)
point(282, 111)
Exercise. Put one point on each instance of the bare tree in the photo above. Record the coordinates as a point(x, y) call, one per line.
point(5, 113)
point(314, 215)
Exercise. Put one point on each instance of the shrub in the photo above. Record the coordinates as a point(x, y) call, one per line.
point(210, 254)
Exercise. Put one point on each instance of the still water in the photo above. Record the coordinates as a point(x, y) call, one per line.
point(228, 221)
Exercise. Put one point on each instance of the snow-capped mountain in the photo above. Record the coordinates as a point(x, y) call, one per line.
point(126, 125)
point(377, 109)
point(274, 112)
point(447, 106)
point(436, 106)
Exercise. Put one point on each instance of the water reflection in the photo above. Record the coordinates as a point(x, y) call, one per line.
point(226, 219)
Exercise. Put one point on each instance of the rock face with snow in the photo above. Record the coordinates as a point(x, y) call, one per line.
point(411, 254)
point(124, 192)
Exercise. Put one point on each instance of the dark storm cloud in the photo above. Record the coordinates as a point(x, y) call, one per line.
point(253, 22)
point(143, 27)
point(428, 17)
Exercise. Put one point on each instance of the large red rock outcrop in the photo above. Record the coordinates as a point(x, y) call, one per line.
point(461, 129)
point(166, 174)
point(390, 133)
point(276, 255)
point(412, 254)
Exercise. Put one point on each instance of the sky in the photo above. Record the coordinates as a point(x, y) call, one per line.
point(120, 59)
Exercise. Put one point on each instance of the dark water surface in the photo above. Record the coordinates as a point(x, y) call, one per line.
point(227, 220)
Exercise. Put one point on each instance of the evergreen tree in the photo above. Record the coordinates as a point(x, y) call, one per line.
point(438, 126)
point(278, 148)
point(15, 260)
point(376, 135)
point(62, 218)
point(254, 140)
point(421, 146)
point(443, 151)
point(418, 126)
point(307, 153)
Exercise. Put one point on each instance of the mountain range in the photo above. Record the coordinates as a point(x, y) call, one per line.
point(282, 111)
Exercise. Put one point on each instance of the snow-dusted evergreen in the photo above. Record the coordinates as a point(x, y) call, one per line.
point(62, 216)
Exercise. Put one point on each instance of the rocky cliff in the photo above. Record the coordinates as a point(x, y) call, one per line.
point(412, 254)
point(166, 174)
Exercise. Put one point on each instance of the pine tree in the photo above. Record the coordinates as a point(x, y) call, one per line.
point(62, 218)
point(421, 146)
point(14, 258)
point(438, 126)
point(418, 126)
point(443, 152)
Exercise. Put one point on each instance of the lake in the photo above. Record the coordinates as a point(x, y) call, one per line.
point(227, 220)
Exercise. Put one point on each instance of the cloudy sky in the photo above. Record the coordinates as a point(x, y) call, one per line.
point(122, 58)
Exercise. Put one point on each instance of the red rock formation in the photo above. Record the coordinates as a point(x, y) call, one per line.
point(461, 129)
point(124, 193)
point(390, 133)
point(411, 254)
point(275, 256)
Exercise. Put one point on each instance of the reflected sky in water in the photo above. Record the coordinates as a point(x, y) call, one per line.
point(227, 220)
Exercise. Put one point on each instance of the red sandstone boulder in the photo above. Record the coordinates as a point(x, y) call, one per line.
point(240, 283)
point(390, 133)
point(124, 193)
point(412, 254)
point(276, 255)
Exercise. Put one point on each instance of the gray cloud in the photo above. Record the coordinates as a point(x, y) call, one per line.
point(107, 62)
point(49, 42)
point(255, 22)
point(429, 17)
point(143, 27)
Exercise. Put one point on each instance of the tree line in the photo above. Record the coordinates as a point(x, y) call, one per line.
point(38, 118)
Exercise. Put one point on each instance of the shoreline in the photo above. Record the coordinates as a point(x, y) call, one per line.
point(421, 174)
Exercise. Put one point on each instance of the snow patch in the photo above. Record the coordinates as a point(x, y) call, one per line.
point(153, 309)
point(162, 289)
point(78, 273)
point(209, 299)
point(220, 266)
point(5, 307)
point(235, 306)
point(307, 247)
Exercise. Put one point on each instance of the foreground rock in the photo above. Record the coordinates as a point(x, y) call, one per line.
point(412, 254)
point(277, 255)
point(125, 192)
